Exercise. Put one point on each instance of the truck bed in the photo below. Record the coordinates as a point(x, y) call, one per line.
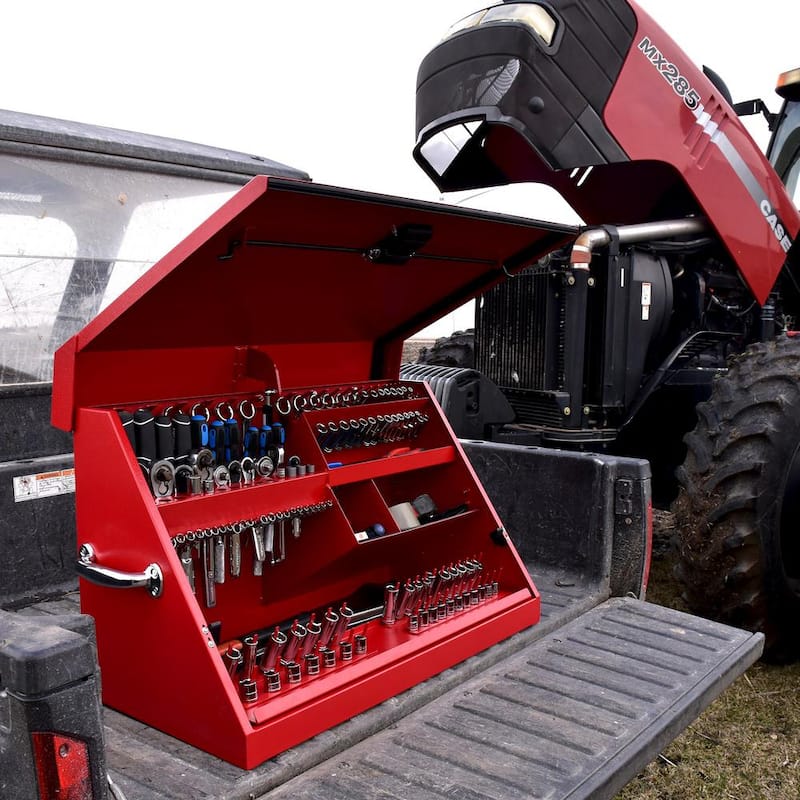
point(571, 708)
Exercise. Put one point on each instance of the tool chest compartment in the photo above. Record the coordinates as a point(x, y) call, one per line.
point(297, 531)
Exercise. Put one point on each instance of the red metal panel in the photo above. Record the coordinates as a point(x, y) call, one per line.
point(660, 89)
point(233, 285)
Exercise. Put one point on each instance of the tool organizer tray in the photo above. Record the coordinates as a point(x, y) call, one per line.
point(296, 549)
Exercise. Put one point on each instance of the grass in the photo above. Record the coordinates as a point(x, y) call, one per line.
point(745, 746)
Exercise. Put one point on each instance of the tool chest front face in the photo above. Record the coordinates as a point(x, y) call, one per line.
point(319, 540)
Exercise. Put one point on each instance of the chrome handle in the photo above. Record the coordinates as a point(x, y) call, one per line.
point(151, 579)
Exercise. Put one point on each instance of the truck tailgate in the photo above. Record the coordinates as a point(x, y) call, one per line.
point(576, 714)
point(572, 708)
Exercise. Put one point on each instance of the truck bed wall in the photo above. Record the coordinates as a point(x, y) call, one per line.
point(582, 513)
point(37, 536)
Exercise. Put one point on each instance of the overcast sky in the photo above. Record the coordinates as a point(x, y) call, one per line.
point(324, 86)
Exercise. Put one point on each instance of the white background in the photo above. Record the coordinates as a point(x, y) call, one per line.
point(324, 86)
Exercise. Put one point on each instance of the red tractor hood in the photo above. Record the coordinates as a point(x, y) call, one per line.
point(613, 115)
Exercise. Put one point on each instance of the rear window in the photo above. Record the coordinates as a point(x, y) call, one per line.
point(73, 237)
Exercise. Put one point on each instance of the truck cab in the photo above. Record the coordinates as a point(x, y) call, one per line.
point(784, 149)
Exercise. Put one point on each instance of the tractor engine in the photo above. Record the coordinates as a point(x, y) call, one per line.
point(573, 354)
point(689, 226)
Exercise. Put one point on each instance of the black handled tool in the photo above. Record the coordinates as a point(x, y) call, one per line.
point(165, 437)
point(126, 418)
point(145, 433)
point(216, 440)
point(233, 441)
point(182, 426)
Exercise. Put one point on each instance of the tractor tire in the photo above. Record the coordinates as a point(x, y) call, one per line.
point(738, 510)
point(456, 350)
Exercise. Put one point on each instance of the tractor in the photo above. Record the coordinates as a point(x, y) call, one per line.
point(669, 328)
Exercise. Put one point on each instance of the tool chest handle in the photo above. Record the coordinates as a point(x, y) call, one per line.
point(151, 579)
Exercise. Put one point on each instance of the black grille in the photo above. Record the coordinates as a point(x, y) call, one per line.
point(519, 339)
point(536, 408)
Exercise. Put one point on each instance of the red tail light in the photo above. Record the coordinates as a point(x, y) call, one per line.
point(62, 767)
point(649, 555)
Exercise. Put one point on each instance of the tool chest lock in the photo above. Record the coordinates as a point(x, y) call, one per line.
point(299, 533)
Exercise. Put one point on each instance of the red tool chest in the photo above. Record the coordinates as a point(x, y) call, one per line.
point(355, 554)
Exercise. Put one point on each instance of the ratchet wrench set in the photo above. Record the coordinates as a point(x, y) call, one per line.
point(264, 509)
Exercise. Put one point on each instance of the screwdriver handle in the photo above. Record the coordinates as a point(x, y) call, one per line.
point(182, 425)
point(165, 437)
point(233, 444)
point(145, 433)
point(278, 434)
point(216, 440)
point(251, 442)
point(199, 428)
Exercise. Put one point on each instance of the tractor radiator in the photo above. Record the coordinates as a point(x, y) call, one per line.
point(520, 342)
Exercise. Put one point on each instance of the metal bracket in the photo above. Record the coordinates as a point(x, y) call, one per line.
point(151, 579)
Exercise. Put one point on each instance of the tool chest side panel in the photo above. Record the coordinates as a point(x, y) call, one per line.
point(145, 644)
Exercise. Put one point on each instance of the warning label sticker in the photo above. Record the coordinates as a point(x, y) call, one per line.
point(44, 484)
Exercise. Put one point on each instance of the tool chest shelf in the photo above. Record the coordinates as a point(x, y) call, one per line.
point(303, 535)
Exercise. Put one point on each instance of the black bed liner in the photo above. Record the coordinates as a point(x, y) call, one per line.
point(572, 708)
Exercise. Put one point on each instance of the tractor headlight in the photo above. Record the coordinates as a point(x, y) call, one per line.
point(789, 85)
point(536, 17)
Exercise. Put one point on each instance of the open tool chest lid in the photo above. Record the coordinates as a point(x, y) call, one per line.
point(290, 284)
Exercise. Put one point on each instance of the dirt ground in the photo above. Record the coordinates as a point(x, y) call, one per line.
point(746, 745)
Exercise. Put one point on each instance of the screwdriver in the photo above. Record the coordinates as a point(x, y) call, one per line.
point(278, 434)
point(199, 428)
point(251, 442)
point(233, 450)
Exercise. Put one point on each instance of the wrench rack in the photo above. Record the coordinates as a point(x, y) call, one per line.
point(359, 559)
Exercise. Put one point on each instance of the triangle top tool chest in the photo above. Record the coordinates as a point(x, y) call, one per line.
point(298, 532)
